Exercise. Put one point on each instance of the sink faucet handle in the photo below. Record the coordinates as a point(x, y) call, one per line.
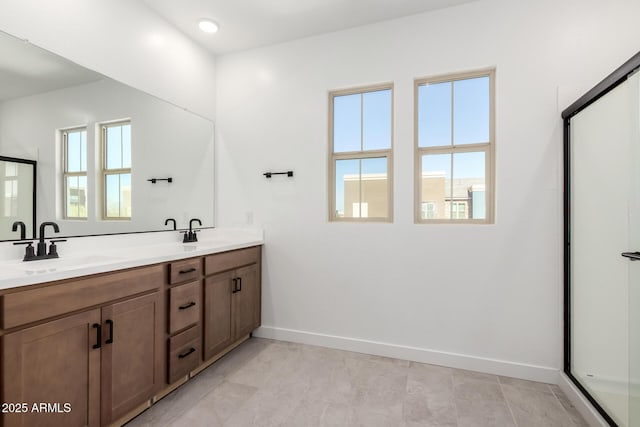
point(53, 249)
point(29, 252)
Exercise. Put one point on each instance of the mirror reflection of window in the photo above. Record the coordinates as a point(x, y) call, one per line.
point(116, 169)
point(10, 190)
point(16, 196)
point(75, 173)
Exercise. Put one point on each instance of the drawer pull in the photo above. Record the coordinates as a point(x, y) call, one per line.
point(98, 329)
point(187, 305)
point(187, 271)
point(110, 339)
point(188, 352)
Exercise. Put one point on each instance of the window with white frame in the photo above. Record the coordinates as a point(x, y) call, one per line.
point(116, 169)
point(74, 149)
point(454, 144)
point(360, 154)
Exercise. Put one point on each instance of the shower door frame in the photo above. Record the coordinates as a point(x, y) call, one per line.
point(601, 89)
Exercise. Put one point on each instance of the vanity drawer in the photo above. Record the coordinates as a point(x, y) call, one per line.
point(188, 269)
point(230, 260)
point(184, 305)
point(184, 353)
point(66, 296)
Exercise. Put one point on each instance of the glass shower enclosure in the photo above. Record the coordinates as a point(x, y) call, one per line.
point(602, 245)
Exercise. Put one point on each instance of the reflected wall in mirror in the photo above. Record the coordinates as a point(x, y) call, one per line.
point(98, 143)
point(17, 198)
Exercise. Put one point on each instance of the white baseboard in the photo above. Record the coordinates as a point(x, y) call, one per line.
point(422, 355)
point(588, 412)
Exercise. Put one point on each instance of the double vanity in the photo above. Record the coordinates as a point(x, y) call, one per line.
point(94, 339)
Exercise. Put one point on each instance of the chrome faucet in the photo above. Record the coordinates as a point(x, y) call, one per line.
point(190, 236)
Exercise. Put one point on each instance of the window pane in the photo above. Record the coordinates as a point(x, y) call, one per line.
point(114, 147)
point(76, 197)
point(125, 195)
point(126, 146)
point(112, 190)
point(74, 152)
point(374, 188)
point(471, 110)
point(83, 150)
point(10, 169)
point(346, 123)
point(118, 192)
point(347, 188)
point(376, 120)
point(11, 198)
point(436, 185)
point(434, 114)
point(469, 180)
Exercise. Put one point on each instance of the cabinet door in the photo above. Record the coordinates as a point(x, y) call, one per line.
point(56, 364)
point(131, 354)
point(217, 313)
point(246, 302)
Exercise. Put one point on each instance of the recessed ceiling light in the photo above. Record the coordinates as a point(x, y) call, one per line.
point(208, 26)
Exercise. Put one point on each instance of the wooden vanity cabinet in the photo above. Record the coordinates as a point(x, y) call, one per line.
point(232, 298)
point(103, 361)
point(99, 349)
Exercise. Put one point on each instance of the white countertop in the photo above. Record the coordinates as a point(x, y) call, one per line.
point(83, 256)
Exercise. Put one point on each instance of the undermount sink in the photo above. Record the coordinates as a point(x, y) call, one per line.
point(207, 243)
point(31, 267)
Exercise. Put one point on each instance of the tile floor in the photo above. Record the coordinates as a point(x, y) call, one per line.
point(275, 383)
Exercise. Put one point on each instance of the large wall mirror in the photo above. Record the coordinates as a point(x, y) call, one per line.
point(104, 150)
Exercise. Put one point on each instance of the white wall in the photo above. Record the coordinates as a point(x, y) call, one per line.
point(481, 297)
point(122, 39)
point(167, 141)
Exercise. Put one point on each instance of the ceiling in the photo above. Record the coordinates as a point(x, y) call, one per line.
point(246, 24)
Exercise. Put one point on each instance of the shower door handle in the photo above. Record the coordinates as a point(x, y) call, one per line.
point(633, 256)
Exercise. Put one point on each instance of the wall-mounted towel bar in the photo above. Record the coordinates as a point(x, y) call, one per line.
point(154, 180)
point(269, 174)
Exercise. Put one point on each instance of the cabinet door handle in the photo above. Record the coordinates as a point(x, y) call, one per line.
point(187, 271)
point(185, 354)
point(187, 305)
point(239, 284)
point(98, 329)
point(110, 339)
point(235, 286)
